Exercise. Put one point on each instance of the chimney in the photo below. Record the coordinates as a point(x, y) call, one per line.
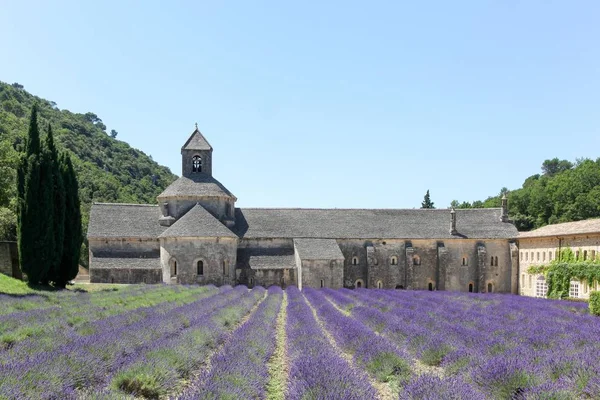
point(453, 231)
point(165, 209)
point(504, 208)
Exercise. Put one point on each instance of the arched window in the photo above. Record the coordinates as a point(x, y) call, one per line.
point(465, 261)
point(492, 261)
point(354, 260)
point(394, 260)
point(416, 260)
point(430, 287)
point(538, 256)
point(196, 164)
point(490, 287)
point(526, 256)
point(496, 261)
point(593, 255)
point(251, 281)
point(577, 255)
point(379, 284)
point(322, 283)
point(470, 288)
point(543, 256)
point(200, 267)
point(549, 256)
point(584, 255)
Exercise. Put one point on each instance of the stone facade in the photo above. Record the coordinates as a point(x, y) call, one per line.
point(544, 245)
point(196, 235)
point(9, 260)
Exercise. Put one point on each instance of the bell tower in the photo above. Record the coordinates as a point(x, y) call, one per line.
point(196, 156)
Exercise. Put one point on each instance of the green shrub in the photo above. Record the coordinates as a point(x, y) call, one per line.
point(595, 303)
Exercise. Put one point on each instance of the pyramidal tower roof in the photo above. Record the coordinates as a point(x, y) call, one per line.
point(197, 142)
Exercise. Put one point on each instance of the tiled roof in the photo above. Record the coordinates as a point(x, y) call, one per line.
point(134, 263)
point(294, 223)
point(272, 262)
point(318, 249)
point(197, 223)
point(197, 142)
point(198, 185)
point(564, 229)
point(124, 221)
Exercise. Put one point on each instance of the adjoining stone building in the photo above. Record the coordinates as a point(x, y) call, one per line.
point(196, 235)
point(9, 260)
point(543, 245)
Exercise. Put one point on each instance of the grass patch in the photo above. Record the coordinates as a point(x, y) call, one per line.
point(14, 286)
point(389, 367)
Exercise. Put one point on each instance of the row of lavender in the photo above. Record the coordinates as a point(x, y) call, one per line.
point(116, 354)
point(477, 346)
point(221, 343)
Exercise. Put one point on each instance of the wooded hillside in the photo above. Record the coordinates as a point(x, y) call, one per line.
point(563, 192)
point(108, 169)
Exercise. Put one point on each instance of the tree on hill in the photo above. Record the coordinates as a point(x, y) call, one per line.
point(427, 203)
point(556, 166)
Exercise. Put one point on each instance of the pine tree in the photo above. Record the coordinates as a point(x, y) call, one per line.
point(72, 223)
point(427, 203)
point(35, 239)
point(58, 194)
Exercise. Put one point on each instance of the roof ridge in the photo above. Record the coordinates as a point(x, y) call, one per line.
point(123, 204)
point(369, 209)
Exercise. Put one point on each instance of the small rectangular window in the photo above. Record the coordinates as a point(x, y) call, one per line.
point(574, 290)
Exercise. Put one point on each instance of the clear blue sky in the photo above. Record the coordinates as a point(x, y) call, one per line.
point(326, 104)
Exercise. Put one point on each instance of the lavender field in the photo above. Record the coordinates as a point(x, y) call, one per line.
point(233, 343)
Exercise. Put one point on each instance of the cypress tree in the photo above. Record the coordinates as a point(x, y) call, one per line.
point(72, 223)
point(427, 203)
point(35, 239)
point(58, 194)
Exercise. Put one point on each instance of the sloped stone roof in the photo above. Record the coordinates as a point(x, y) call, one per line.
point(125, 263)
point(197, 223)
point(272, 262)
point(198, 185)
point(318, 249)
point(295, 223)
point(564, 229)
point(112, 220)
point(197, 141)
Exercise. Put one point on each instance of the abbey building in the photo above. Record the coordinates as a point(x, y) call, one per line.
point(196, 234)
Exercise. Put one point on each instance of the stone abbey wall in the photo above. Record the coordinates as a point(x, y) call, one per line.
point(218, 257)
point(9, 260)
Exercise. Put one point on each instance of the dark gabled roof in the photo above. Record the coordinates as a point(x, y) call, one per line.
point(318, 249)
point(564, 229)
point(293, 223)
point(124, 221)
point(197, 223)
point(197, 141)
point(126, 263)
point(198, 185)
